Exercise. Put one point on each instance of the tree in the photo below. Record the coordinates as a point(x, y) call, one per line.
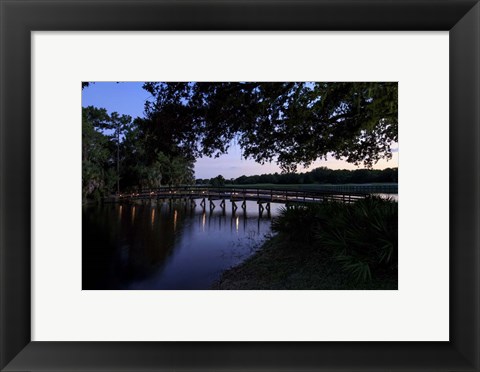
point(141, 153)
point(218, 181)
point(290, 123)
point(323, 175)
point(119, 125)
point(98, 176)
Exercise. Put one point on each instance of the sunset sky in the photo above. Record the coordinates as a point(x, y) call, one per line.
point(129, 98)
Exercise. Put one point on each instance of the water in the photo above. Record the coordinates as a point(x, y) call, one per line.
point(157, 247)
point(387, 196)
point(161, 247)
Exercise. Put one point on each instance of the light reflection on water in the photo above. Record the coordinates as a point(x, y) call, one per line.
point(167, 247)
point(388, 196)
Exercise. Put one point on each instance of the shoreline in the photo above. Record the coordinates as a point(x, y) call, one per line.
point(280, 264)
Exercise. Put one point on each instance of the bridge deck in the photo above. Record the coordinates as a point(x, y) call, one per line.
point(239, 195)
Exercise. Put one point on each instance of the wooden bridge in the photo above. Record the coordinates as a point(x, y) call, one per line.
point(238, 196)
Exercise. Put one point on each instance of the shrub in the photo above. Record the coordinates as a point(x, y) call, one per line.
point(297, 223)
point(362, 237)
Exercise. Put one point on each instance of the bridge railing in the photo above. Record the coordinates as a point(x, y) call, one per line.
point(258, 194)
point(360, 188)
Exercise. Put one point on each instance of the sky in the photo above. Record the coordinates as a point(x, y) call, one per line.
point(129, 99)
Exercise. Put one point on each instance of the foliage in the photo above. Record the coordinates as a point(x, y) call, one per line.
point(290, 123)
point(97, 175)
point(101, 135)
point(218, 181)
point(321, 175)
point(362, 237)
point(119, 152)
point(296, 222)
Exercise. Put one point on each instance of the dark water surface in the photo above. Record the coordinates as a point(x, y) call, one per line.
point(161, 247)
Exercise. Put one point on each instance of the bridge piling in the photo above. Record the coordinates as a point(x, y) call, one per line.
point(260, 209)
point(234, 207)
point(187, 194)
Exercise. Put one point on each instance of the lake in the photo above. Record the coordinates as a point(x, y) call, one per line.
point(128, 246)
point(149, 246)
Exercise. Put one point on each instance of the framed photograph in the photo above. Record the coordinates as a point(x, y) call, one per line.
point(180, 186)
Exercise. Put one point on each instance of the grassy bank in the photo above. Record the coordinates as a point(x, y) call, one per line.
point(325, 247)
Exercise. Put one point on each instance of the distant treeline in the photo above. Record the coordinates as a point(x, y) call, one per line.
point(319, 175)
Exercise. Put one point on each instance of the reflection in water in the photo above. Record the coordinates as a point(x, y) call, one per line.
point(388, 196)
point(166, 247)
point(174, 220)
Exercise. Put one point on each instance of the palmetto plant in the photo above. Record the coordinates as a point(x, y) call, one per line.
point(297, 222)
point(363, 235)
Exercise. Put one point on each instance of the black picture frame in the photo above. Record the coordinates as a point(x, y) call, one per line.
point(18, 18)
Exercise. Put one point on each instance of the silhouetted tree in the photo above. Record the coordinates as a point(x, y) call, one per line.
point(290, 123)
point(218, 181)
